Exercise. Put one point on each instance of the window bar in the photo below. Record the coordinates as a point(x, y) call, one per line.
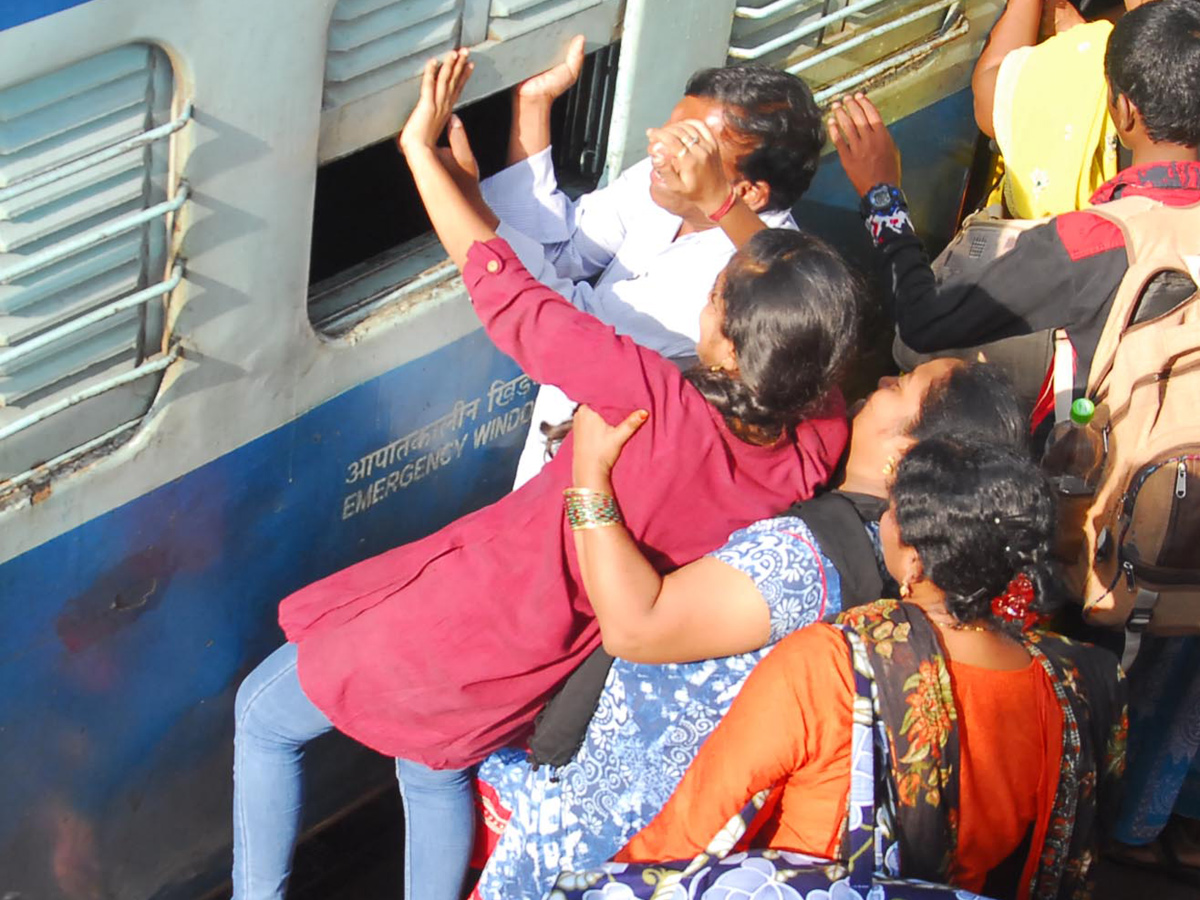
point(840, 87)
point(97, 315)
point(770, 11)
point(88, 393)
point(802, 32)
point(46, 468)
point(864, 36)
point(92, 159)
point(88, 239)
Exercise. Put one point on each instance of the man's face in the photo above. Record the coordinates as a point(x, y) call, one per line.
point(733, 149)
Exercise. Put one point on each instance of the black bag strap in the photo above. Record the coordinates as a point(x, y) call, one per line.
point(836, 520)
point(560, 727)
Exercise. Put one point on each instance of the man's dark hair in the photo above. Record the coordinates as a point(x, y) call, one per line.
point(1153, 60)
point(791, 310)
point(775, 110)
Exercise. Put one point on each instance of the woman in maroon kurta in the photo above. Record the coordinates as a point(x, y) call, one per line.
point(441, 651)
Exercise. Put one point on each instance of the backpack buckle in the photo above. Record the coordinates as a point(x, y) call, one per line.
point(1139, 620)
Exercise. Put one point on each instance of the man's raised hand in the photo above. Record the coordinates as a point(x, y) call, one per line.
point(557, 80)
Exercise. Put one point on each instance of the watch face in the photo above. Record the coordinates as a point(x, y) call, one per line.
point(880, 197)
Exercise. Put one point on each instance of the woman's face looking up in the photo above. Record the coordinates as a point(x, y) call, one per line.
point(879, 430)
point(898, 398)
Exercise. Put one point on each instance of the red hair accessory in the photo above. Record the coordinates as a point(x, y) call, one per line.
point(1013, 605)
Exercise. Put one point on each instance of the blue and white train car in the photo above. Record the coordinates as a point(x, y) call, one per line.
point(232, 359)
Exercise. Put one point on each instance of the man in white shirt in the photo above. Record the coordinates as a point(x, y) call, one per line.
point(737, 153)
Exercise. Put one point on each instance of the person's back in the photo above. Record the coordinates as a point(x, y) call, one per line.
point(1045, 104)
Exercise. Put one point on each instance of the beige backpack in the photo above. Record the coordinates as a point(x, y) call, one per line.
point(1139, 567)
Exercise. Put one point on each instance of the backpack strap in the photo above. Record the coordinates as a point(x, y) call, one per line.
point(1063, 383)
point(1155, 236)
point(1136, 625)
point(837, 524)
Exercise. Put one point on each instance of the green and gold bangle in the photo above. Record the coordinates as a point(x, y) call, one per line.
point(590, 509)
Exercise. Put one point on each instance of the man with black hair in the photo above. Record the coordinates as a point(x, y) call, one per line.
point(643, 252)
point(1065, 273)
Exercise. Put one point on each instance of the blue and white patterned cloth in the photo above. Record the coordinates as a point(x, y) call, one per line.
point(648, 727)
point(1162, 772)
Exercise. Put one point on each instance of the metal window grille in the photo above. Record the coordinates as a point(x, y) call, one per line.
point(841, 45)
point(374, 44)
point(86, 202)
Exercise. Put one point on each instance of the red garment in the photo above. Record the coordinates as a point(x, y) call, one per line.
point(790, 728)
point(444, 650)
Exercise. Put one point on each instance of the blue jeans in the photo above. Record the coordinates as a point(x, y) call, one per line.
point(274, 722)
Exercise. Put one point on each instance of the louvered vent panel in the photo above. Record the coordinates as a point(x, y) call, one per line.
point(84, 211)
point(377, 43)
point(837, 45)
point(513, 17)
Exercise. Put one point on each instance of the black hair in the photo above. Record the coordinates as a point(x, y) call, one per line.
point(791, 311)
point(1153, 60)
point(775, 110)
point(977, 515)
point(974, 402)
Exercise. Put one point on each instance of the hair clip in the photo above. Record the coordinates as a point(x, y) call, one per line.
point(1014, 604)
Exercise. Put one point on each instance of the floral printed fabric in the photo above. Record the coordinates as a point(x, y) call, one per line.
point(648, 727)
point(1092, 693)
point(921, 720)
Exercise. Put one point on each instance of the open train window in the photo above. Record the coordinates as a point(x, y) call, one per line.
point(372, 247)
point(87, 202)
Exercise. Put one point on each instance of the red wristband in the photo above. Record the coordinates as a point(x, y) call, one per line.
point(719, 213)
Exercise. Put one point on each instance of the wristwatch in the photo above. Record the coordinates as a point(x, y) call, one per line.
point(883, 199)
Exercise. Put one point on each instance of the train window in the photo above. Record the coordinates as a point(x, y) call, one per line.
point(87, 201)
point(842, 45)
point(375, 50)
point(372, 247)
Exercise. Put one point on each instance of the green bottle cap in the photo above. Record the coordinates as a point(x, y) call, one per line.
point(1082, 411)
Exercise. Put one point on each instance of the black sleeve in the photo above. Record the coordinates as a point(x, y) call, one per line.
point(1021, 292)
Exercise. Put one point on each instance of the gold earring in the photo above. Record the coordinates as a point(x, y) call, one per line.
point(905, 591)
point(889, 467)
point(715, 368)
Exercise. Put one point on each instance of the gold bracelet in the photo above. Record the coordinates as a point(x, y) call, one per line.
point(590, 509)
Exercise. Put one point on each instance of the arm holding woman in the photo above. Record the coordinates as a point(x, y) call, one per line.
point(705, 609)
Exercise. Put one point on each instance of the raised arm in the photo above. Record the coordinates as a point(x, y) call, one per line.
point(532, 99)
point(444, 177)
point(1020, 292)
point(1016, 27)
point(704, 609)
